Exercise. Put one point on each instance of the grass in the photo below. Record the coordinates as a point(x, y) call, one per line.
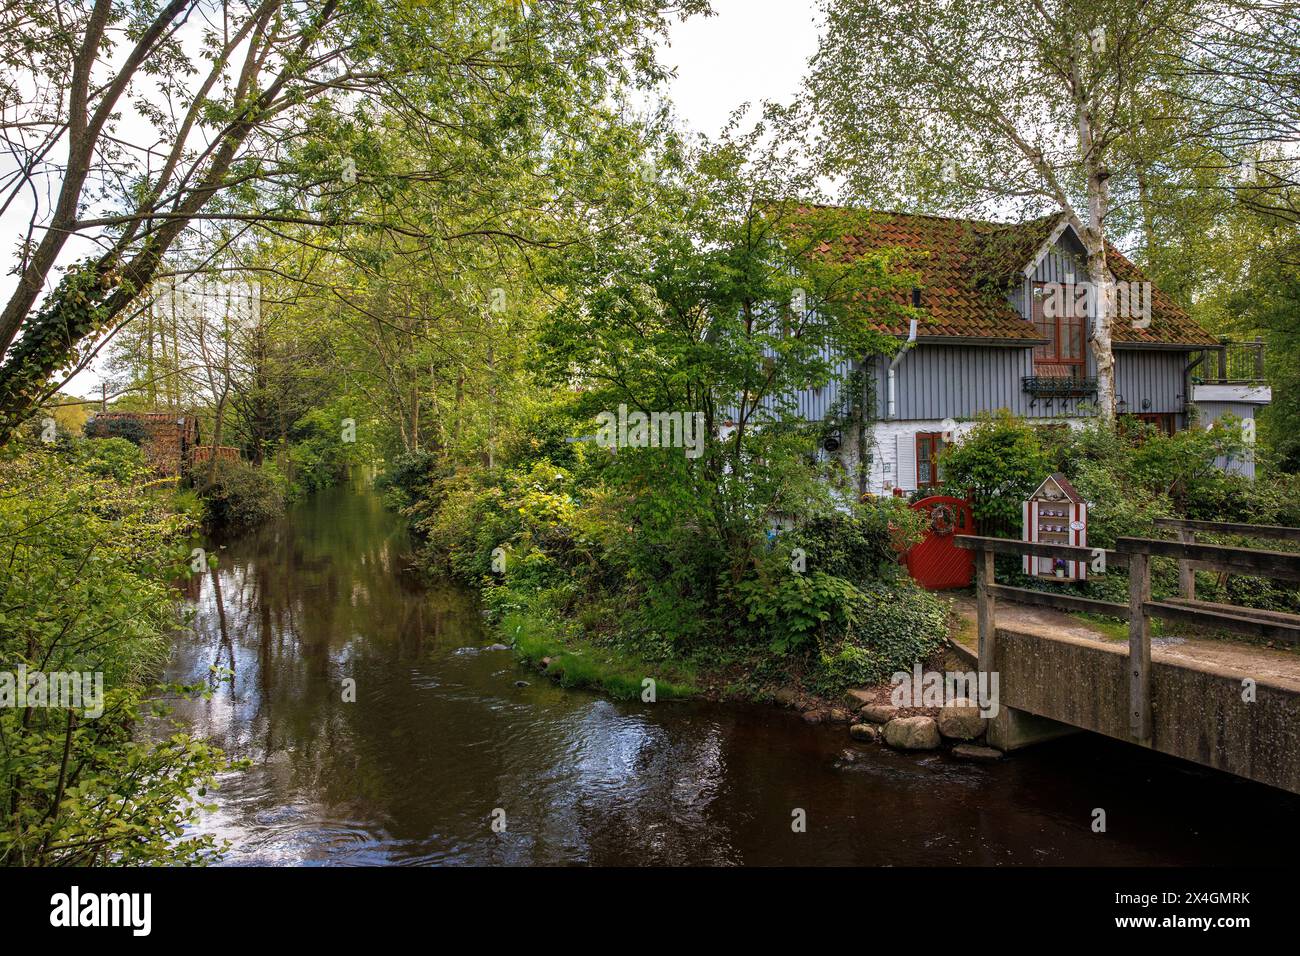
point(1115, 629)
point(576, 663)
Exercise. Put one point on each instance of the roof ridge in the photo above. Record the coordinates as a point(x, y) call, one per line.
point(935, 216)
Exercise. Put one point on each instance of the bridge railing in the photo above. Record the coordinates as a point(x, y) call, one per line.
point(1136, 555)
point(1187, 529)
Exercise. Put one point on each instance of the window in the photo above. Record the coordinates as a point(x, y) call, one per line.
point(1062, 356)
point(1164, 422)
point(929, 448)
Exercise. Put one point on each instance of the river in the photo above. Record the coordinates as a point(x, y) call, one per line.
point(440, 743)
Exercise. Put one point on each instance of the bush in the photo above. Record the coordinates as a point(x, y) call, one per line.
point(410, 476)
point(800, 608)
point(1001, 461)
point(861, 545)
point(891, 625)
point(114, 458)
point(240, 497)
point(89, 565)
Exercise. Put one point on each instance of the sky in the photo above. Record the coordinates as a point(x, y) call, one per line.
point(750, 51)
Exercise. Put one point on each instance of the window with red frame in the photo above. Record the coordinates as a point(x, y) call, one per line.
point(929, 448)
point(1063, 355)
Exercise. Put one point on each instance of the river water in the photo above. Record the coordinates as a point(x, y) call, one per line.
point(440, 743)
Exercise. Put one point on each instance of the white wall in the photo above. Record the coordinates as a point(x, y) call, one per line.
point(884, 477)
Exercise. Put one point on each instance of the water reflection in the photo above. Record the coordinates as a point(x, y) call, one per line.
point(439, 737)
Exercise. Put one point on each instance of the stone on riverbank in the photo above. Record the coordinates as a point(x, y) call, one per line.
point(865, 731)
point(879, 713)
point(912, 733)
point(814, 716)
point(960, 719)
point(841, 716)
point(786, 696)
point(976, 752)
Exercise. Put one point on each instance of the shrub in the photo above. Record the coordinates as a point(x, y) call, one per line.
point(112, 457)
point(410, 476)
point(891, 625)
point(90, 561)
point(860, 545)
point(799, 608)
point(1001, 461)
point(240, 497)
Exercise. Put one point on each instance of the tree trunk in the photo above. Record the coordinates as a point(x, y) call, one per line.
point(1103, 298)
point(1094, 241)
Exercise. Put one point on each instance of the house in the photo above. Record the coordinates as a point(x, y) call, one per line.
point(995, 336)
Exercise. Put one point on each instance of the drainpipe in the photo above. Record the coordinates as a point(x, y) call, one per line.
point(1188, 405)
point(893, 364)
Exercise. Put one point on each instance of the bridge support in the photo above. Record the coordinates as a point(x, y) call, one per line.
point(1012, 729)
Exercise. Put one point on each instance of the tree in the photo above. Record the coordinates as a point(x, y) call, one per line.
point(259, 128)
point(716, 287)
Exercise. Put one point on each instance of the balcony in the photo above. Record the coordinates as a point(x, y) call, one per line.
point(1232, 372)
point(1054, 386)
point(1231, 363)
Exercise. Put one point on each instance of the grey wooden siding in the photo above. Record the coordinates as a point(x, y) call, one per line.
point(811, 404)
point(1151, 376)
point(958, 381)
point(941, 381)
point(1066, 261)
point(934, 382)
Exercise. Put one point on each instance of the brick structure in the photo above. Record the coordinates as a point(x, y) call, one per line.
point(170, 436)
point(200, 454)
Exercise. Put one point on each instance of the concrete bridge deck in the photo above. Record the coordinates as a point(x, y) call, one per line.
point(1058, 674)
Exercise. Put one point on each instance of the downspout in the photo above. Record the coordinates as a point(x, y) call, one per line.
point(893, 364)
point(1189, 407)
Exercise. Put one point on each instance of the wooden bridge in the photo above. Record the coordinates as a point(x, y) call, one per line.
point(1237, 712)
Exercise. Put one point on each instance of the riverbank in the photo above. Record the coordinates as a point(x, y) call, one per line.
point(866, 712)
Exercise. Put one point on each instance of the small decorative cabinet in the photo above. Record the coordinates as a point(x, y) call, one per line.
point(1055, 514)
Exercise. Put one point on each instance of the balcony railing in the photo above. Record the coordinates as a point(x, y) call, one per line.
point(1041, 386)
point(1231, 363)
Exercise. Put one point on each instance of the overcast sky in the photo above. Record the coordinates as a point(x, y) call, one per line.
point(750, 51)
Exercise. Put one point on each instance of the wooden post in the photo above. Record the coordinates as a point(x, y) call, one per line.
point(1223, 363)
point(1139, 648)
point(1259, 359)
point(1186, 574)
point(985, 608)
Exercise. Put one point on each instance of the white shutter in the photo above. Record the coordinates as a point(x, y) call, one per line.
point(906, 462)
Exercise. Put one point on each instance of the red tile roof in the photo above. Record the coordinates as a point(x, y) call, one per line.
point(966, 269)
